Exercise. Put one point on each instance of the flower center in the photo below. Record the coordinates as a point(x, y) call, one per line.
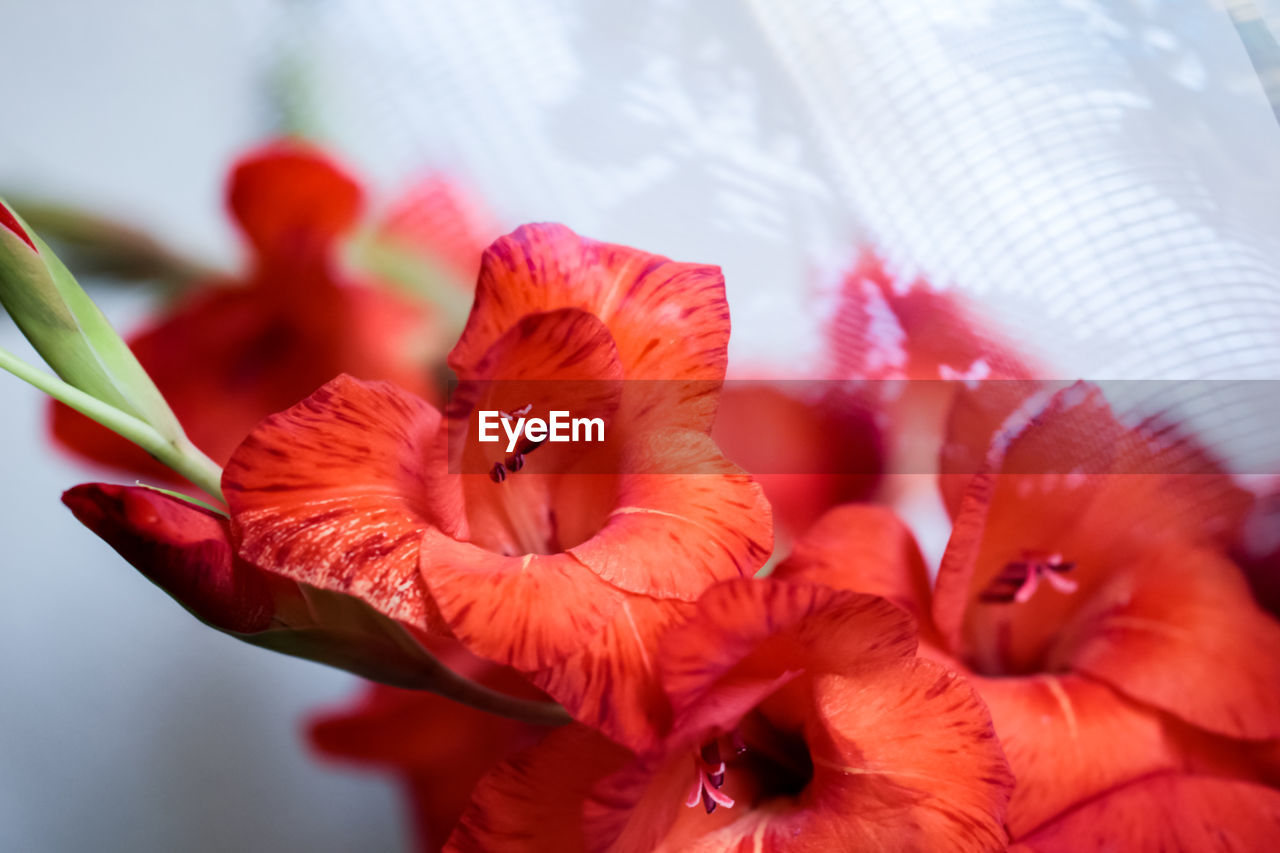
point(765, 761)
point(1019, 579)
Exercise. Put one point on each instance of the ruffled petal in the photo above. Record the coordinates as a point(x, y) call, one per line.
point(529, 611)
point(749, 636)
point(1167, 812)
point(338, 491)
point(905, 757)
point(670, 320)
point(863, 548)
point(1181, 631)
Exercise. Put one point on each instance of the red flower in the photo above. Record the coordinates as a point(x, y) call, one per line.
point(1111, 636)
point(803, 721)
point(233, 352)
point(564, 568)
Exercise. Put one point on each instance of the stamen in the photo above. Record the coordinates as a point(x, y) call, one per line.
point(709, 773)
point(524, 446)
point(1019, 579)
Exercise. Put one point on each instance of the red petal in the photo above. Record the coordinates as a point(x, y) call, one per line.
point(184, 550)
point(1181, 632)
point(905, 757)
point(338, 491)
point(1067, 739)
point(289, 199)
point(747, 634)
point(612, 682)
point(534, 802)
point(9, 221)
point(863, 548)
point(684, 517)
point(670, 320)
point(529, 611)
point(1167, 812)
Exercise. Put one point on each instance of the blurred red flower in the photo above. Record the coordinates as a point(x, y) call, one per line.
point(440, 749)
point(564, 569)
point(802, 721)
point(232, 352)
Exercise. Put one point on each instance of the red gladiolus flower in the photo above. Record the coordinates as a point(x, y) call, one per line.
point(559, 573)
point(440, 748)
point(803, 721)
point(233, 352)
point(1111, 637)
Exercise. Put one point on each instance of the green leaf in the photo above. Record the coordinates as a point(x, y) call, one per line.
point(68, 330)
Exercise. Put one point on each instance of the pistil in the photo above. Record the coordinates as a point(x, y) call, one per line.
point(1019, 579)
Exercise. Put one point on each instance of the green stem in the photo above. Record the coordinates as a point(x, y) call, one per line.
point(179, 454)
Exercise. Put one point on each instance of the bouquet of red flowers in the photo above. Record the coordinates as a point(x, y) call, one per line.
point(609, 599)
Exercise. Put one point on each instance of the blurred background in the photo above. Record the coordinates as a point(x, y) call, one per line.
point(1103, 177)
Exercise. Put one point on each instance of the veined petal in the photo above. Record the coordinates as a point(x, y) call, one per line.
point(288, 198)
point(1167, 812)
point(863, 548)
point(670, 320)
point(684, 518)
point(748, 636)
point(1068, 738)
point(904, 757)
point(611, 682)
point(338, 491)
point(529, 611)
point(1181, 631)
